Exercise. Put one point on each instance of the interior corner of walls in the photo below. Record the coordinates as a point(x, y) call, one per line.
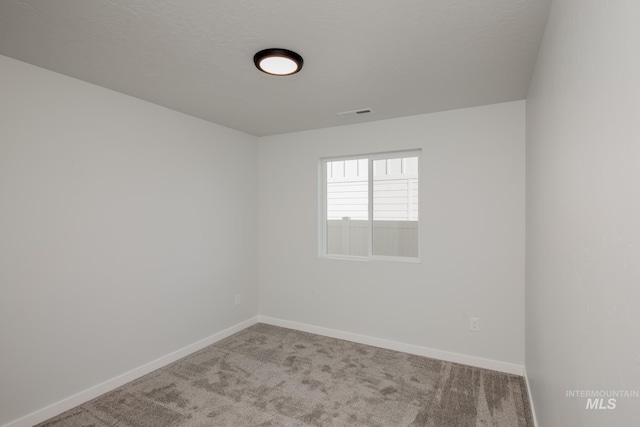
point(531, 403)
point(84, 396)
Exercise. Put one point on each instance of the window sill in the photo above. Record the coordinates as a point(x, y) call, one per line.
point(373, 258)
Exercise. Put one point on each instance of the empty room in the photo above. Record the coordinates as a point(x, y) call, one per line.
point(319, 213)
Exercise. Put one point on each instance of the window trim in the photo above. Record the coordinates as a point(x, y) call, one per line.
point(323, 205)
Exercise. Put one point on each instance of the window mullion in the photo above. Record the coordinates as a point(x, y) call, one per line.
point(324, 203)
point(370, 205)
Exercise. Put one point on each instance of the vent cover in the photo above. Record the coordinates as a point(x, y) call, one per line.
point(355, 113)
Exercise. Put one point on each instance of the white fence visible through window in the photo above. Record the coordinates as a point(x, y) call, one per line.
point(392, 238)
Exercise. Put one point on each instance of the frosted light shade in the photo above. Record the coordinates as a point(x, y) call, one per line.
point(278, 65)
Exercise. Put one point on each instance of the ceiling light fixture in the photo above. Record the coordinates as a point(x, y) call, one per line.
point(278, 62)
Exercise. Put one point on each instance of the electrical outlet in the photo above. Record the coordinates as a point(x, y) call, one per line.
point(237, 299)
point(474, 324)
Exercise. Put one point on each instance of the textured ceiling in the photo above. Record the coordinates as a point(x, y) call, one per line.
point(397, 57)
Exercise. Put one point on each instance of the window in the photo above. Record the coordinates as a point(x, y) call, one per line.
point(369, 206)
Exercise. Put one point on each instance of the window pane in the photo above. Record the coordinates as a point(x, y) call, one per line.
point(372, 206)
point(395, 207)
point(347, 217)
point(394, 166)
point(351, 169)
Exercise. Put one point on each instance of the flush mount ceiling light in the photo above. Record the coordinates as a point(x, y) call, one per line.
point(278, 62)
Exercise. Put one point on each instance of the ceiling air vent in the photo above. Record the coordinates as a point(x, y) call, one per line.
point(355, 113)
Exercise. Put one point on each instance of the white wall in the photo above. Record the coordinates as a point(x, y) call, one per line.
point(472, 231)
point(126, 229)
point(583, 213)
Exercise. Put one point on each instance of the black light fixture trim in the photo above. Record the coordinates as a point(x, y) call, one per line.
point(278, 53)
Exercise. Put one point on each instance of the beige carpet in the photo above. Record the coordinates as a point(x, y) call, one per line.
point(271, 376)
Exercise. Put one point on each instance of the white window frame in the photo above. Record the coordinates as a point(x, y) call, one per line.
point(322, 203)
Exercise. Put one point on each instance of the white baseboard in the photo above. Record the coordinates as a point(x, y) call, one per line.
point(99, 389)
point(479, 362)
point(533, 410)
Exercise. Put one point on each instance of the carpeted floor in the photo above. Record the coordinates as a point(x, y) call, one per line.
point(271, 376)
